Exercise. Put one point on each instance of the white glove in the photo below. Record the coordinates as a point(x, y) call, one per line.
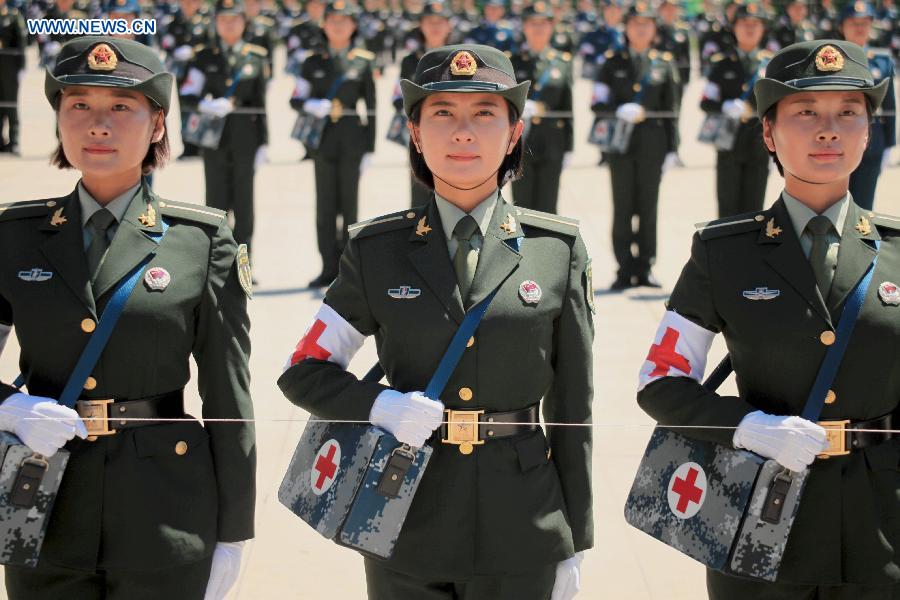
point(885, 158)
point(183, 53)
point(220, 107)
point(529, 110)
point(20, 75)
point(735, 109)
point(41, 423)
point(52, 48)
point(317, 107)
point(262, 157)
point(226, 566)
point(568, 578)
point(365, 162)
point(168, 41)
point(410, 417)
point(792, 441)
point(631, 112)
point(567, 160)
point(670, 161)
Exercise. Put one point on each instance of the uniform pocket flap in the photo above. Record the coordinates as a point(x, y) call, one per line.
point(532, 451)
point(173, 439)
point(883, 456)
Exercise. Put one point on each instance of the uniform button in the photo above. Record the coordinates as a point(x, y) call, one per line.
point(410, 215)
point(827, 338)
point(181, 448)
point(88, 326)
point(465, 394)
point(90, 383)
point(471, 342)
point(830, 397)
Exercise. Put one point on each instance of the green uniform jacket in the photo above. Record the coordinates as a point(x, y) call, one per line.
point(128, 501)
point(551, 76)
point(510, 505)
point(848, 525)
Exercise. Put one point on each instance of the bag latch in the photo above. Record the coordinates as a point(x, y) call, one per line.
point(398, 464)
point(28, 481)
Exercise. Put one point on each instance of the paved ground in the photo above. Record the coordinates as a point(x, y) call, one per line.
point(287, 559)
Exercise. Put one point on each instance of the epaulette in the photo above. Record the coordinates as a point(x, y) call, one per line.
point(192, 212)
point(24, 210)
point(548, 221)
point(730, 226)
point(258, 50)
point(609, 53)
point(391, 222)
point(361, 53)
point(717, 57)
point(880, 220)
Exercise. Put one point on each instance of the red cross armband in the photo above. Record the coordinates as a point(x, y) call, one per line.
point(329, 337)
point(679, 350)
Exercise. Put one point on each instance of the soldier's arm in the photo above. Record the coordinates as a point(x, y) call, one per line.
point(670, 387)
point(570, 396)
point(6, 321)
point(316, 377)
point(369, 91)
point(670, 104)
point(566, 106)
point(603, 99)
point(194, 86)
point(711, 101)
point(889, 107)
point(222, 350)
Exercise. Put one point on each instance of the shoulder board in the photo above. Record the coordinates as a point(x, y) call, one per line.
point(717, 57)
point(731, 226)
point(192, 212)
point(361, 53)
point(880, 220)
point(253, 48)
point(269, 21)
point(609, 53)
point(23, 210)
point(548, 221)
point(383, 224)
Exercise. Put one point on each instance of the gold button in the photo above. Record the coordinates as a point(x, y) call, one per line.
point(181, 448)
point(90, 383)
point(465, 394)
point(410, 215)
point(466, 448)
point(88, 326)
point(831, 397)
point(636, 87)
point(470, 343)
point(827, 338)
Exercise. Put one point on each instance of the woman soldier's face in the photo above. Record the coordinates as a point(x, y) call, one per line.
point(106, 132)
point(819, 137)
point(339, 29)
point(464, 137)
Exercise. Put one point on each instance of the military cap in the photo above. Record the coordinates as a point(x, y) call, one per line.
point(641, 8)
point(857, 10)
point(539, 8)
point(436, 9)
point(618, 3)
point(110, 62)
point(130, 7)
point(750, 10)
point(341, 7)
point(229, 7)
point(496, 3)
point(464, 68)
point(818, 65)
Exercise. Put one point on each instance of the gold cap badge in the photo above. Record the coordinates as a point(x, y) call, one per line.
point(463, 64)
point(860, 7)
point(828, 58)
point(102, 58)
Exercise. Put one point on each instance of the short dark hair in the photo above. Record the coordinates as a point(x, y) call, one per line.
point(157, 154)
point(510, 168)
point(770, 117)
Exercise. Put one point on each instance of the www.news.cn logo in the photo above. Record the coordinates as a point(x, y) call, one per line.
point(91, 27)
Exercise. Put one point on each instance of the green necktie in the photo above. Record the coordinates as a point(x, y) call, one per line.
point(99, 223)
point(819, 227)
point(466, 259)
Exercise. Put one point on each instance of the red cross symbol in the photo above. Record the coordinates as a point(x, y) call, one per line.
point(309, 346)
point(664, 356)
point(687, 490)
point(326, 467)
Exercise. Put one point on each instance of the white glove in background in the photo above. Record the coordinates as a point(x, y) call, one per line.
point(226, 566)
point(568, 578)
point(261, 157)
point(736, 109)
point(409, 417)
point(41, 423)
point(791, 441)
point(631, 112)
point(670, 161)
point(317, 107)
point(219, 107)
point(183, 53)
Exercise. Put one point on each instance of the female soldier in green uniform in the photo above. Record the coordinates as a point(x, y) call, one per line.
point(775, 284)
point(509, 518)
point(547, 113)
point(332, 80)
point(145, 508)
point(632, 82)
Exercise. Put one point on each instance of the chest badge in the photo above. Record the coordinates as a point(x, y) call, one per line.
point(157, 279)
point(889, 293)
point(58, 219)
point(509, 225)
point(772, 230)
point(422, 229)
point(530, 292)
point(148, 219)
point(761, 293)
point(404, 292)
point(864, 227)
point(36, 274)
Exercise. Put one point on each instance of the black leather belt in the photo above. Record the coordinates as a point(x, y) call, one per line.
point(470, 428)
point(107, 416)
point(843, 436)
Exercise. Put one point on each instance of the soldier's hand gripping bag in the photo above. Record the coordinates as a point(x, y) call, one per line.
point(731, 510)
point(353, 484)
point(28, 486)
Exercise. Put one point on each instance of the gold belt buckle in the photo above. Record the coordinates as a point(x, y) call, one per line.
point(97, 417)
point(462, 429)
point(836, 436)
